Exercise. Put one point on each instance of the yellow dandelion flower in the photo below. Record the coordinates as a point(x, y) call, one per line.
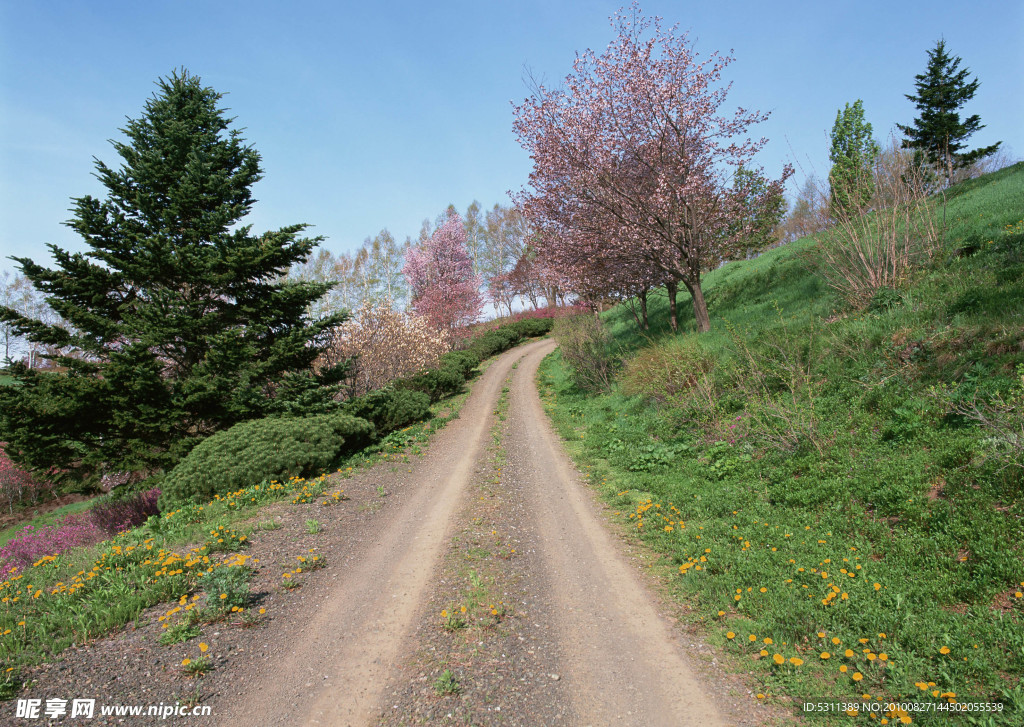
point(857, 676)
point(730, 635)
point(795, 660)
point(779, 659)
point(944, 650)
point(826, 655)
point(203, 646)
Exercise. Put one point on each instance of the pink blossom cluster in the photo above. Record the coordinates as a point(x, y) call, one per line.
point(84, 528)
point(32, 543)
point(442, 285)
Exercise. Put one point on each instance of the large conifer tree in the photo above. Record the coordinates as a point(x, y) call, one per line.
point(177, 319)
point(938, 133)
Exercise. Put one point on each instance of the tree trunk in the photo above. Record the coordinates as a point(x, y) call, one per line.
point(700, 308)
point(673, 290)
point(643, 309)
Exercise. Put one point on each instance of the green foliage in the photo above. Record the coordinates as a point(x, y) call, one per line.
point(533, 327)
point(389, 409)
point(225, 588)
point(465, 362)
point(176, 320)
point(852, 155)
point(178, 633)
point(763, 209)
point(436, 383)
point(495, 341)
point(586, 347)
point(938, 134)
point(884, 299)
point(446, 684)
point(262, 449)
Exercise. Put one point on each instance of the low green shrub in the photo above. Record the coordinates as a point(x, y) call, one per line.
point(389, 409)
point(494, 342)
point(533, 327)
point(250, 452)
point(465, 361)
point(435, 383)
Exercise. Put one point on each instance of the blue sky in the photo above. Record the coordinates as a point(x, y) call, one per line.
point(372, 116)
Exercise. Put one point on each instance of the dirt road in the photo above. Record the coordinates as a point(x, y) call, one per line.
point(615, 658)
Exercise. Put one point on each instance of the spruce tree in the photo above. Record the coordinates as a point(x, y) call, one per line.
point(938, 134)
point(177, 320)
point(853, 154)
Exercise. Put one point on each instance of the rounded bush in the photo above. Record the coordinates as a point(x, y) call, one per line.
point(533, 327)
point(435, 383)
point(252, 451)
point(389, 409)
point(464, 361)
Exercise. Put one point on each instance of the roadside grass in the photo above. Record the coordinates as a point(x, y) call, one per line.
point(829, 511)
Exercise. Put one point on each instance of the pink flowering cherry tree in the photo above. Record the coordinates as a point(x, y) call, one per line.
point(442, 285)
point(634, 153)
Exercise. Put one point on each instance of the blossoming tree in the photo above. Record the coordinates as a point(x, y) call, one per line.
point(634, 153)
point(442, 285)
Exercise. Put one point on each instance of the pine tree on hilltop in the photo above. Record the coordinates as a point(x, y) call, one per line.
point(178, 321)
point(938, 133)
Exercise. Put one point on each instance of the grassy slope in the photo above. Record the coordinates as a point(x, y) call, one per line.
point(912, 502)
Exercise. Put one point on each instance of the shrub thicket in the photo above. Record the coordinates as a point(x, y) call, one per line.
point(118, 512)
point(494, 342)
point(531, 327)
point(389, 409)
point(436, 383)
point(250, 452)
point(586, 347)
point(464, 361)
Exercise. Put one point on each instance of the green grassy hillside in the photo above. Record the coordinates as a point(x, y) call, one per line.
point(839, 492)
